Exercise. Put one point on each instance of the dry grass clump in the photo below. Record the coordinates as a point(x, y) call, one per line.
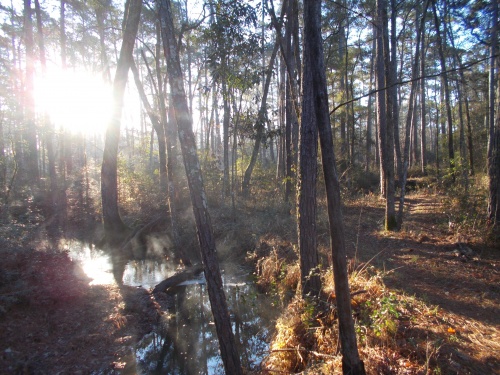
point(276, 264)
point(290, 350)
point(397, 333)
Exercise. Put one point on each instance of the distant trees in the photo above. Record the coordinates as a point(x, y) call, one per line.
point(242, 125)
point(407, 83)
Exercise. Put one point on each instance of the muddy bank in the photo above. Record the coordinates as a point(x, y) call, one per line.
point(53, 321)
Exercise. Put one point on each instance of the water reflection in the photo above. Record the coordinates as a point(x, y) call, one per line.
point(104, 268)
point(95, 264)
point(187, 342)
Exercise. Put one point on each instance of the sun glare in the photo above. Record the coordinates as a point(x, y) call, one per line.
point(78, 101)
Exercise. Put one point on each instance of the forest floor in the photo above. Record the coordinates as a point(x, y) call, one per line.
point(443, 265)
point(52, 321)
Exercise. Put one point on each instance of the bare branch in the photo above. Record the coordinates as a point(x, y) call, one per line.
point(463, 67)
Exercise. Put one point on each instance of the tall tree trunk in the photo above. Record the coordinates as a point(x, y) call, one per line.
point(157, 126)
point(170, 132)
point(308, 165)
point(112, 220)
point(316, 76)
point(48, 128)
point(344, 156)
point(369, 119)
point(469, 127)
point(206, 239)
point(62, 32)
point(3, 162)
point(260, 124)
point(384, 114)
point(288, 141)
point(280, 169)
point(225, 136)
point(410, 117)
point(100, 17)
point(30, 133)
point(63, 168)
point(291, 86)
point(423, 109)
point(494, 130)
point(393, 89)
point(441, 48)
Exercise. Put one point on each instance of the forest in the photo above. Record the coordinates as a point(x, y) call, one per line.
point(249, 187)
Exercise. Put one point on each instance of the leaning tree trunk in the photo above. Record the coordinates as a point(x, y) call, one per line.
point(262, 116)
point(351, 363)
point(260, 124)
point(206, 239)
point(113, 223)
point(157, 126)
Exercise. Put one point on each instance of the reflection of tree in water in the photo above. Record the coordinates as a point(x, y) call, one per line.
point(252, 315)
point(188, 344)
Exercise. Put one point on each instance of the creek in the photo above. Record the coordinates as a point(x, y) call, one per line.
point(185, 342)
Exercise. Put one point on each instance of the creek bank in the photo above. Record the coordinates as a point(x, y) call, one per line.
point(53, 321)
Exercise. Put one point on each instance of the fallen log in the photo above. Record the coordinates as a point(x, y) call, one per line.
point(180, 277)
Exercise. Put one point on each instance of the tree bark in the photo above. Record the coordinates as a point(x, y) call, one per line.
point(423, 109)
point(157, 126)
point(369, 119)
point(291, 87)
point(47, 126)
point(393, 90)
point(260, 124)
point(441, 47)
point(386, 128)
point(351, 363)
point(225, 136)
point(410, 117)
point(112, 220)
point(494, 131)
point(100, 15)
point(308, 165)
point(206, 239)
point(31, 153)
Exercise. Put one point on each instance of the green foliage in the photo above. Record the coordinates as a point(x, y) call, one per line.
point(465, 205)
point(382, 315)
point(355, 180)
point(308, 313)
point(138, 188)
point(230, 37)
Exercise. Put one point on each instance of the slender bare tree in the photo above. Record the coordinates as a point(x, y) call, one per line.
point(113, 223)
point(206, 239)
point(315, 76)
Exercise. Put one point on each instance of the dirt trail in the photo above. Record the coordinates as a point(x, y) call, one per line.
point(426, 260)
